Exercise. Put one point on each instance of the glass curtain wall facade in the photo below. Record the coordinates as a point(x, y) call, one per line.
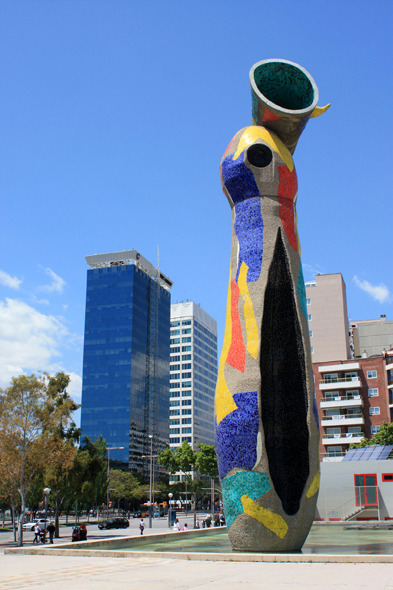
point(193, 375)
point(127, 320)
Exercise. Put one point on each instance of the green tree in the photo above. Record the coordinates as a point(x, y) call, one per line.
point(384, 436)
point(122, 485)
point(35, 414)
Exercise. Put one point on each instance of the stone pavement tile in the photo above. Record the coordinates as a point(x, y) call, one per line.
point(19, 572)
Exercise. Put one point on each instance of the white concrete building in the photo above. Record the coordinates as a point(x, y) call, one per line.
point(193, 375)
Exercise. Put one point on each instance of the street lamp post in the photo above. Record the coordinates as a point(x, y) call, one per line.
point(170, 496)
point(107, 490)
point(46, 492)
point(151, 477)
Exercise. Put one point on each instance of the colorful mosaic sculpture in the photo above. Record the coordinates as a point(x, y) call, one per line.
point(266, 423)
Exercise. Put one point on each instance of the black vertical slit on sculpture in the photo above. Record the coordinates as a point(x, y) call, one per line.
point(284, 402)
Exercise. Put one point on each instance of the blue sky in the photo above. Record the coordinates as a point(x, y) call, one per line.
point(114, 118)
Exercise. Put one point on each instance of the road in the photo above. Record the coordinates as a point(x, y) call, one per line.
point(159, 525)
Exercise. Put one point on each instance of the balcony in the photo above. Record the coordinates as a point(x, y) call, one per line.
point(342, 401)
point(339, 368)
point(343, 420)
point(345, 438)
point(341, 383)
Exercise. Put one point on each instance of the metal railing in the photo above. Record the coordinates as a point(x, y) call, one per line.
point(342, 416)
point(343, 435)
point(342, 398)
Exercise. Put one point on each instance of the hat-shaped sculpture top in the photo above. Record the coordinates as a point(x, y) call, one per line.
point(284, 97)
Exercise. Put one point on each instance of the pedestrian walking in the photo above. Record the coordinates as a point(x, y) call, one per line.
point(37, 530)
point(197, 525)
point(51, 530)
point(141, 526)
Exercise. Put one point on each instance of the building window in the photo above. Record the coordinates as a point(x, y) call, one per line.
point(186, 331)
point(175, 385)
point(174, 359)
point(186, 375)
point(354, 429)
point(175, 349)
point(185, 367)
point(175, 332)
point(174, 412)
point(387, 477)
point(185, 349)
point(371, 374)
point(174, 367)
point(374, 411)
point(186, 393)
point(187, 438)
point(330, 378)
point(309, 317)
point(174, 422)
point(173, 441)
point(373, 392)
point(187, 402)
point(186, 430)
point(186, 420)
point(175, 340)
point(308, 301)
point(375, 429)
point(186, 384)
point(174, 431)
point(186, 323)
point(174, 402)
point(174, 324)
point(186, 412)
point(186, 357)
point(175, 393)
point(187, 339)
point(310, 333)
point(174, 376)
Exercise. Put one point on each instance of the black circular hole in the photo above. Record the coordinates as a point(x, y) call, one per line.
point(259, 155)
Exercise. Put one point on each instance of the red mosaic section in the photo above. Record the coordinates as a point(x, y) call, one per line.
point(237, 352)
point(287, 186)
point(269, 117)
point(287, 216)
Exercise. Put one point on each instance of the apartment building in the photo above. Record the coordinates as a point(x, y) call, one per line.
point(353, 401)
point(328, 318)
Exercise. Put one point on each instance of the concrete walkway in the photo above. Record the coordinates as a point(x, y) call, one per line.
point(58, 573)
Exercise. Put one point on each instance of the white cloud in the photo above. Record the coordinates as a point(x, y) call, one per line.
point(9, 281)
point(29, 340)
point(57, 283)
point(379, 292)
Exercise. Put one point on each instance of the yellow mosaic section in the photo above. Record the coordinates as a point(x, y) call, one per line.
point(249, 316)
point(314, 487)
point(250, 136)
point(225, 404)
point(272, 521)
point(319, 111)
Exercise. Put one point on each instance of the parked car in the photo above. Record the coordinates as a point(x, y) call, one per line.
point(114, 523)
point(137, 514)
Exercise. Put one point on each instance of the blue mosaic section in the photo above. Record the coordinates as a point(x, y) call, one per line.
point(249, 232)
point(251, 483)
point(301, 291)
point(236, 435)
point(254, 108)
point(315, 408)
point(238, 179)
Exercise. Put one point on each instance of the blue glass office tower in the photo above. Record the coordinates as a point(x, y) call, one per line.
point(125, 391)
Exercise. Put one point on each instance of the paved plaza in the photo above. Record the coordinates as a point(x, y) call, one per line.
point(62, 573)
